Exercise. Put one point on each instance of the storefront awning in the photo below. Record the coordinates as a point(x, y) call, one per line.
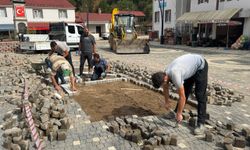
point(218, 16)
point(190, 17)
point(7, 27)
point(38, 26)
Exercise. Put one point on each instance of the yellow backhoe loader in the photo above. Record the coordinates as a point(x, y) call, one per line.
point(123, 38)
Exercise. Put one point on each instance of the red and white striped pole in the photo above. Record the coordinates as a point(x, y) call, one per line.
point(29, 118)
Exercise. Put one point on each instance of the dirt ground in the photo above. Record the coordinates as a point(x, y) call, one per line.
point(120, 99)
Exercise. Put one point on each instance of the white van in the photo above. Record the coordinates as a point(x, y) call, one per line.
point(67, 32)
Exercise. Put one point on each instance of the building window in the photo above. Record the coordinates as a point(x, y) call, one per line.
point(157, 16)
point(3, 12)
point(80, 30)
point(62, 14)
point(222, 0)
point(168, 15)
point(37, 13)
point(203, 1)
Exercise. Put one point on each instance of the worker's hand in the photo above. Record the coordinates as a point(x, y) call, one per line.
point(179, 117)
point(58, 88)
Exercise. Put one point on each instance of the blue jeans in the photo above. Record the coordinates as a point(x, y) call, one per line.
point(59, 72)
point(99, 71)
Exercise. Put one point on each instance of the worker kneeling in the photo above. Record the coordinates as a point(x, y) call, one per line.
point(100, 67)
point(59, 63)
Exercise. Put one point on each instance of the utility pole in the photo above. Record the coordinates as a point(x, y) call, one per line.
point(88, 18)
point(162, 19)
point(87, 5)
point(217, 4)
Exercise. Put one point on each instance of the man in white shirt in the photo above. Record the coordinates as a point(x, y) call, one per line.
point(62, 49)
point(184, 72)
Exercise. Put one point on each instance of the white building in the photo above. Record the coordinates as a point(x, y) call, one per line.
point(98, 22)
point(173, 9)
point(34, 15)
point(221, 20)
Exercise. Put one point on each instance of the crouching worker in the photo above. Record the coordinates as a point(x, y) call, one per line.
point(100, 67)
point(60, 64)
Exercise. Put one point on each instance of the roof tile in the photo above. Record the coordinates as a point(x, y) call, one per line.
point(43, 3)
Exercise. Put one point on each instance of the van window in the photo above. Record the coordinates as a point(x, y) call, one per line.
point(80, 30)
point(71, 29)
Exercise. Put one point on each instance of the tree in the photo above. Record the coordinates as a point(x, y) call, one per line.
point(83, 5)
point(105, 7)
point(126, 5)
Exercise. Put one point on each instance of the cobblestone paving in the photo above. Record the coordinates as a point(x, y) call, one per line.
point(84, 135)
point(229, 68)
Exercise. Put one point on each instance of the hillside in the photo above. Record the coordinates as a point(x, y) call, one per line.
point(107, 5)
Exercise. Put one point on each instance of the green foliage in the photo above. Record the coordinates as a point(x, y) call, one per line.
point(126, 5)
point(107, 6)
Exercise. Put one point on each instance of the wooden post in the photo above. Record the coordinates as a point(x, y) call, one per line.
point(227, 34)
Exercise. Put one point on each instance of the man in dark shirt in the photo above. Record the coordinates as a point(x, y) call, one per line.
point(100, 67)
point(87, 48)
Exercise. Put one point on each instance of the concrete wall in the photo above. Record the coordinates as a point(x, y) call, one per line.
point(246, 30)
point(211, 5)
point(93, 25)
point(245, 4)
point(182, 6)
point(50, 15)
point(9, 18)
point(170, 5)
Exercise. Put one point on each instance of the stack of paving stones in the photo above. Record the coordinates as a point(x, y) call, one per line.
point(217, 95)
point(10, 46)
point(48, 110)
point(228, 135)
point(222, 96)
point(133, 71)
point(147, 135)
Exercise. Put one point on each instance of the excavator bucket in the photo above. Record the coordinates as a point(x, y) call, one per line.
point(127, 46)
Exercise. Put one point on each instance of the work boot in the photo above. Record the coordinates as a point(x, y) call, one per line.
point(200, 130)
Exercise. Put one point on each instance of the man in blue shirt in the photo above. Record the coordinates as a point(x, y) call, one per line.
point(100, 67)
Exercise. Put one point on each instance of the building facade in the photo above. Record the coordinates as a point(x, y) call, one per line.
point(217, 22)
point(212, 5)
point(33, 15)
point(98, 22)
point(173, 9)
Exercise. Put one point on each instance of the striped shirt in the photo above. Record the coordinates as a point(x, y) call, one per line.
point(57, 61)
